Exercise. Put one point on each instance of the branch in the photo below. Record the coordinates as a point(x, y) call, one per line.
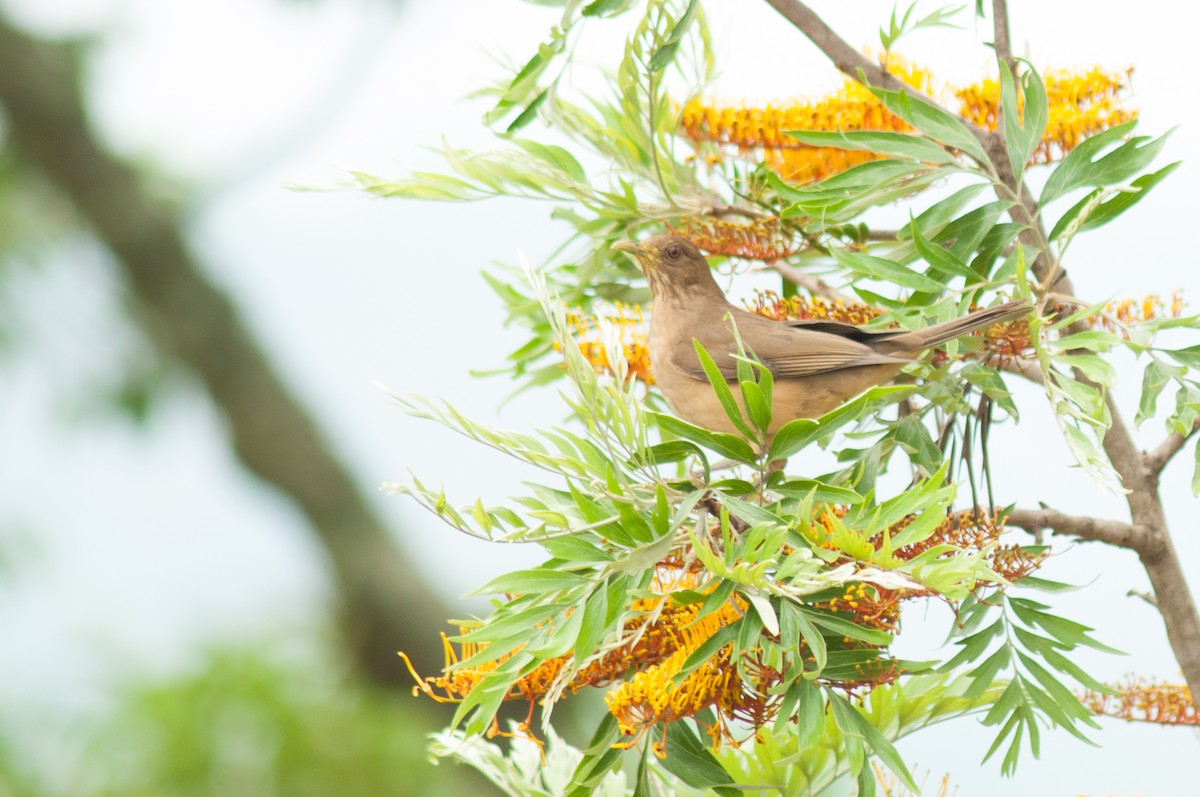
point(1001, 37)
point(386, 601)
point(1090, 529)
point(1157, 459)
point(810, 282)
point(1029, 369)
point(849, 60)
point(1148, 534)
point(1148, 597)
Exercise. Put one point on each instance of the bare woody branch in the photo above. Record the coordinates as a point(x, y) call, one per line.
point(1157, 459)
point(1148, 533)
point(846, 58)
point(1090, 529)
point(1000, 36)
point(809, 282)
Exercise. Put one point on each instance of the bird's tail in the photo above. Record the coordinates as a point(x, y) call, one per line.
point(936, 335)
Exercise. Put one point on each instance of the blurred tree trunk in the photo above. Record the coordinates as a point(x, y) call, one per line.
point(386, 604)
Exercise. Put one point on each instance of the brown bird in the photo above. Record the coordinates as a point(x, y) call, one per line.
point(816, 365)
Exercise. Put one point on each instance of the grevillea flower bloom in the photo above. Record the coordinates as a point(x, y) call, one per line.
point(1140, 700)
point(1080, 105)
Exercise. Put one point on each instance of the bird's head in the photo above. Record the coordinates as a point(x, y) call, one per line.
point(672, 265)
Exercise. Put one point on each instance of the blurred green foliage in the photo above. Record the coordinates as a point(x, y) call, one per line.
point(244, 723)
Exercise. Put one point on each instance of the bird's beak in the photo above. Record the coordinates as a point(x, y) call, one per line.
point(636, 251)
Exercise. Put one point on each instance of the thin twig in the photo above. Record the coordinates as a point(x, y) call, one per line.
point(1146, 596)
point(720, 211)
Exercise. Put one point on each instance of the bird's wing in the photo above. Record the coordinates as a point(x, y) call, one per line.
point(788, 351)
point(844, 330)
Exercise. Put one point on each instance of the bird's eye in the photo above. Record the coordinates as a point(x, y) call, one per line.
point(673, 252)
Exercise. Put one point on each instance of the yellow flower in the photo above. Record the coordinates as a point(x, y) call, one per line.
point(1079, 106)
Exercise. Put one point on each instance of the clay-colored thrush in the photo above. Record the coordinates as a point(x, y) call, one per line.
point(816, 365)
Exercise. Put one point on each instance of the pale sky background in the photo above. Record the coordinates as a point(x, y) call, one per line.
point(135, 546)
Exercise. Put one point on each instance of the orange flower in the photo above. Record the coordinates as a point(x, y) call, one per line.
point(762, 239)
point(1139, 700)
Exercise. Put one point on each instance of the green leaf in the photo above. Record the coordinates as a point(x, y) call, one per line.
point(896, 145)
point(665, 52)
point(757, 405)
point(532, 581)
point(575, 548)
point(594, 624)
point(843, 627)
point(599, 8)
point(1110, 209)
point(1022, 139)
point(1084, 166)
point(691, 761)
point(727, 445)
point(791, 437)
point(1196, 470)
point(879, 743)
point(939, 258)
point(887, 271)
point(750, 512)
point(983, 676)
point(1189, 356)
point(529, 114)
point(598, 759)
point(1097, 340)
point(710, 647)
point(933, 121)
point(912, 436)
point(992, 384)
point(1093, 366)
point(721, 387)
point(819, 491)
point(671, 451)
point(1155, 378)
point(809, 713)
point(810, 635)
